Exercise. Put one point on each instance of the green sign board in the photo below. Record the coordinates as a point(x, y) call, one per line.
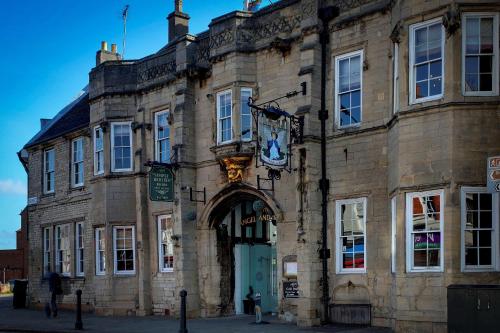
point(161, 184)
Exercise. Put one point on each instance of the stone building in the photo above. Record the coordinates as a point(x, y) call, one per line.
point(412, 92)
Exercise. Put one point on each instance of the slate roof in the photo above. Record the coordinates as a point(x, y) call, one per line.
point(74, 116)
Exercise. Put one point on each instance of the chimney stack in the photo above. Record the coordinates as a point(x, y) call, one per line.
point(104, 55)
point(178, 22)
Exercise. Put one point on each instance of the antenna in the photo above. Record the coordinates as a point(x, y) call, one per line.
point(124, 17)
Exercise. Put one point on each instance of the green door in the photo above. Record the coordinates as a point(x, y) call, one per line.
point(260, 275)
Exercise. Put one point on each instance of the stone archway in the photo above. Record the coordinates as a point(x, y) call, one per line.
point(215, 255)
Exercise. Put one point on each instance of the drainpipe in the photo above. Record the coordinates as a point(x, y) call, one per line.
point(325, 14)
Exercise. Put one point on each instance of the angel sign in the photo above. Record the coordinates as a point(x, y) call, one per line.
point(274, 141)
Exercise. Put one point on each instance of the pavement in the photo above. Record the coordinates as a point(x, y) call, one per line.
point(31, 321)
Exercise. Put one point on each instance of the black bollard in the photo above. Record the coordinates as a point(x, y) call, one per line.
point(183, 328)
point(78, 323)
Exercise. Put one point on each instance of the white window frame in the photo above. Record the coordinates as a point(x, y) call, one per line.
point(494, 78)
point(59, 261)
point(219, 119)
point(98, 161)
point(47, 249)
point(409, 229)
point(113, 124)
point(115, 258)
point(495, 258)
point(79, 250)
point(160, 247)
point(49, 173)
point(75, 162)
point(249, 90)
point(394, 232)
point(157, 140)
point(98, 233)
point(412, 78)
point(338, 58)
point(395, 79)
point(338, 241)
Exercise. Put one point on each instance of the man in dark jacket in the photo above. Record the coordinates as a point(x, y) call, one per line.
point(54, 289)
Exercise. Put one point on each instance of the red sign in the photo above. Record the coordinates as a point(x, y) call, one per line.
point(495, 162)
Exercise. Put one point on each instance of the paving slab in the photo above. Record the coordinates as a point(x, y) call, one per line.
point(30, 321)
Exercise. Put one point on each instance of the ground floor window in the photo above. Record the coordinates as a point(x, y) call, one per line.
point(124, 249)
point(100, 251)
point(165, 243)
point(424, 225)
point(479, 229)
point(350, 226)
point(63, 250)
point(47, 248)
point(79, 249)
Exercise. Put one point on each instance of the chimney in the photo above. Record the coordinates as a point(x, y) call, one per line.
point(178, 22)
point(104, 55)
point(44, 122)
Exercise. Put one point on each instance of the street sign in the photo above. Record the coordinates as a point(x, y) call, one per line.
point(161, 184)
point(493, 174)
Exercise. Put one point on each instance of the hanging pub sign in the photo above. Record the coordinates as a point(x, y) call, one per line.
point(274, 138)
point(161, 183)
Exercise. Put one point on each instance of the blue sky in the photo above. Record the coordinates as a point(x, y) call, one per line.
point(48, 49)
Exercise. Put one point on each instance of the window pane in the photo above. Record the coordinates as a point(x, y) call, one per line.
point(422, 89)
point(435, 87)
point(420, 258)
point(472, 220)
point(471, 256)
point(345, 101)
point(355, 115)
point(345, 118)
point(487, 35)
point(485, 82)
point(485, 64)
point(485, 199)
point(469, 239)
point(471, 64)
point(348, 261)
point(433, 257)
point(422, 72)
point(435, 69)
point(472, 38)
point(484, 238)
point(434, 50)
point(486, 219)
point(471, 82)
point(418, 222)
point(355, 74)
point(347, 244)
point(359, 260)
point(485, 256)
point(356, 98)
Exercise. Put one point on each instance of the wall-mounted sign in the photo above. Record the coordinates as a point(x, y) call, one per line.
point(493, 174)
point(248, 220)
point(290, 289)
point(32, 200)
point(290, 267)
point(161, 184)
point(274, 133)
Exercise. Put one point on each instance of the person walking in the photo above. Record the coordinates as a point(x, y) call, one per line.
point(55, 288)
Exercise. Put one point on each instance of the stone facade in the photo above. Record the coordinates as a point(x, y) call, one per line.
point(440, 144)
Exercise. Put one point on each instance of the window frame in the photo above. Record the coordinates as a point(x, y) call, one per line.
point(100, 231)
point(98, 153)
point(157, 140)
point(250, 90)
point(58, 258)
point(394, 232)
point(79, 251)
point(219, 127)
point(75, 162)
point(495, 258)
point(412, 78)
point(160, 243)
point(496, 53)
point(395, 79)
point(47, 250)
point(47, 173)
point(115, 261)
point(338, 242)
point(338, 58)
point(409, 232)
point(113, 168)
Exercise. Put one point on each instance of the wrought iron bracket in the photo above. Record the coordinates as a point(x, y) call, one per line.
point(173, 165)
point(193, 195)
point(262, 182)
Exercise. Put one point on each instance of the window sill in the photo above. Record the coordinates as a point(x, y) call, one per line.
point(124, 274)
point(345, 272)
point(167, 271)
point(426, 99)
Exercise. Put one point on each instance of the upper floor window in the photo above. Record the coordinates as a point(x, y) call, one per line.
point(479, 229)
point(63, 250)
point(48, 170)
point(480, 54)
point(165, 243)
point(350, 226)
point(245, 115)
point(348, 88)
point(124, 250)
point(100, 251)
point(424, 235)
point(162, 137)
point(79, 243)
point(98, 151)
point(224, 117)
point(77, 162)
point(426, 61)
point(121, 146)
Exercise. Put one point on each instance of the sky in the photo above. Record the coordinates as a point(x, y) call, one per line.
point(47, 50)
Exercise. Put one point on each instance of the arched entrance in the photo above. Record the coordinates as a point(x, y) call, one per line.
point(243, 225)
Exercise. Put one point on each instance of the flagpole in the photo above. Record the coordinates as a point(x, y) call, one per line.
point(124, 16)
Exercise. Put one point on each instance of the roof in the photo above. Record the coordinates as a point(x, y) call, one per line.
point(74, 116)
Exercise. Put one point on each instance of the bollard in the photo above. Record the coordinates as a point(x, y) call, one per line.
point(78, 323)
point(183, 328)
point(258, 309)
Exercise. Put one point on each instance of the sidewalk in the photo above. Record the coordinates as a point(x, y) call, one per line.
point(25, 320)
